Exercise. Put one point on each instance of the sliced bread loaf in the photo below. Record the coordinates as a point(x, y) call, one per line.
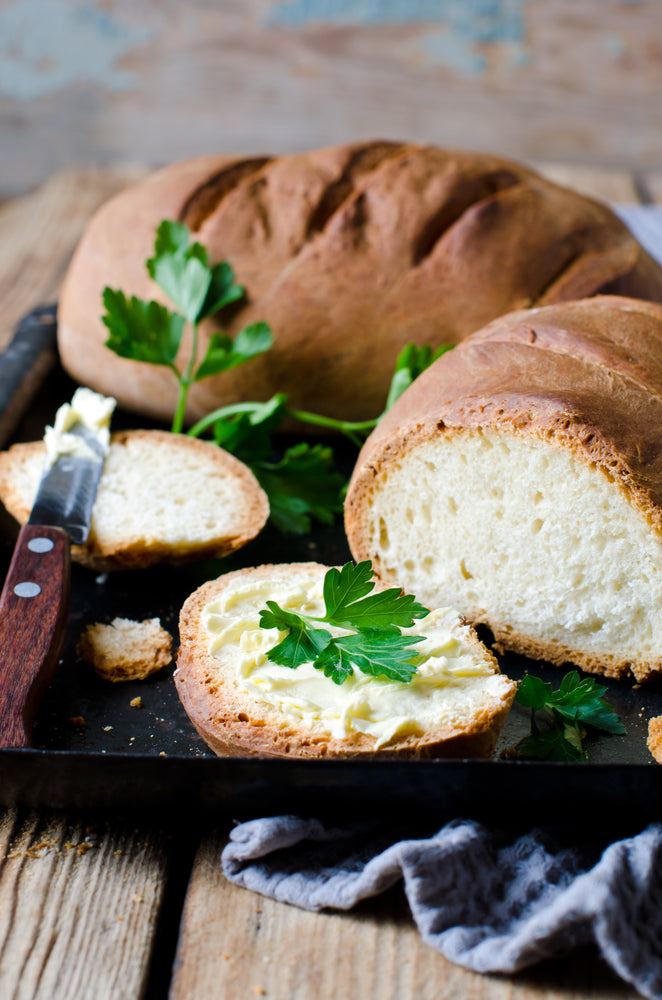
point(243, 704)
point(349, 253)
point(161, 497)
point(520, 479)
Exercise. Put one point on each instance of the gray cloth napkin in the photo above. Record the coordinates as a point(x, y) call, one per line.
point(486, 902)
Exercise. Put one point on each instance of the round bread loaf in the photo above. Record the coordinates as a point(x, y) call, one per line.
point(349, 253)
point(244, 705)
point(162, 497)
point(520, 479)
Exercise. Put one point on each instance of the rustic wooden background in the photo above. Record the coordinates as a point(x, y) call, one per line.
point(108, 81)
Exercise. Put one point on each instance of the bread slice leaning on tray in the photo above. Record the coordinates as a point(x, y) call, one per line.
point(162, 497)
point(348, 253)
point(520, 479)
point(242, 704)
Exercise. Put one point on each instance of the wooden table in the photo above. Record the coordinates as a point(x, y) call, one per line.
point(100, 909)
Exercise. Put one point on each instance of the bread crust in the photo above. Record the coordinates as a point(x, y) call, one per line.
point(584, 376)
point(111, 549)
point(241, 726)
point(349, 253)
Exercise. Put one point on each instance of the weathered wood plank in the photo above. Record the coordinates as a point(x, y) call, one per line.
point(78, 908)
point(604, 183)
point(652, 184)
point(39, 232)
point(235, 944)
point(572, 80)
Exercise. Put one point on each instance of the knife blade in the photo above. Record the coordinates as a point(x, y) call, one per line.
point(34, 602)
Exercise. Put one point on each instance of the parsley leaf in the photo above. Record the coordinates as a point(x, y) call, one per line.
point(376, 652)
point(377, 647)
point(222, 290)
point(577, 702)
point(180, 269)
point(143, 331)
point(247, 430)
point(223, 353)
point(347, 605)
point(300, 486)
point(301, 644)
point(410, 363)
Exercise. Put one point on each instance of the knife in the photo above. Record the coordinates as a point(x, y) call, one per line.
point(34, 603)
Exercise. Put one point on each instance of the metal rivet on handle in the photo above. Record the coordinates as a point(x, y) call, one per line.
point(40, 545)
point(27, 589)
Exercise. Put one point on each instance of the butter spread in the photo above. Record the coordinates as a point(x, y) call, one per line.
point(91, 410)
point(449, 682)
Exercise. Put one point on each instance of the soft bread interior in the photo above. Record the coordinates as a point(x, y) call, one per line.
point(525, 536)
point(161, 496)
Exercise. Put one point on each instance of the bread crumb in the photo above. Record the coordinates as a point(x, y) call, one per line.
point(126, 650)
point(136, 702)
point(77, 721)
point(107, 729)
point(654, 741)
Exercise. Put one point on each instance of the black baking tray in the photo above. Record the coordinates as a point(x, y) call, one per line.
point(92, 749)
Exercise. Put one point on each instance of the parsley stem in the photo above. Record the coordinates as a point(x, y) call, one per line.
point(178, 416)
point(224, 411)
point(350, 428)
point(185, 380)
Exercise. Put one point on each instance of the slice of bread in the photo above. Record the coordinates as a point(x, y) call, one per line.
point(161, 497)
point(242, 704)
point(126, 650)
point(520, 479)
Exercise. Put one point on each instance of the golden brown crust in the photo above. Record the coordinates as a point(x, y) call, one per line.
point(654, 740)
point(239, 726)
point(126, 650)
point(341, 249)
point(110, 549)
point(585, 376)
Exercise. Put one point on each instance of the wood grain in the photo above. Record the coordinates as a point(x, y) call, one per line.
point(78, 908)
point(40, 231)
point(574, 79)
point(596, 182)
point(235, 944)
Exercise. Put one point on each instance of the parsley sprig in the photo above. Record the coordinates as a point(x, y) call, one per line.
point(301, 483)
point(576, 704)
point(149, 331)
point(376, 646)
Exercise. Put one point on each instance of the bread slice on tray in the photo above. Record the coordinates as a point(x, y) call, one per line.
point(520, 479)
point(349, 253)
point(242, 704)
point(162, 496)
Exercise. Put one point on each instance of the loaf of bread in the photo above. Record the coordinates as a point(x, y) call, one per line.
point(161, 497)
point(126, 650)
point(348, 253)
point(242, 704)
point(520, 479)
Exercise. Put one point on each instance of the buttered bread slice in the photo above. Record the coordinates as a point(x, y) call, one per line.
point(161, 497)
point(244, 704)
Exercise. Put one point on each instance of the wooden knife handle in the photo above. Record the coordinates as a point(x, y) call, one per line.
point(33, 618)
